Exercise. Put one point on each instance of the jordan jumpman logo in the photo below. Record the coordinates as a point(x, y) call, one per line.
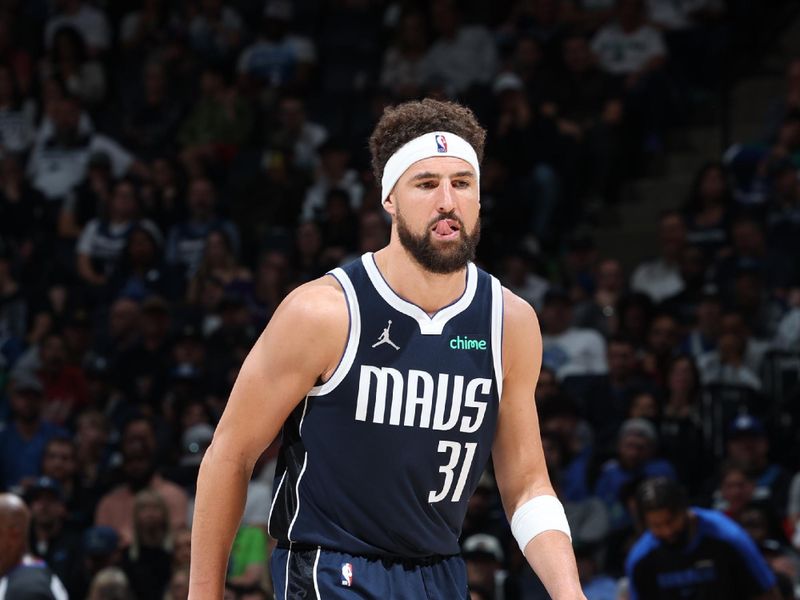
point(384, 338)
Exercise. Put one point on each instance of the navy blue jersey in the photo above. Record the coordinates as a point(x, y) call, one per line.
point(382, 458)
point(721, 561)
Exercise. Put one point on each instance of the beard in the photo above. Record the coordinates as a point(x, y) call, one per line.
point(442, 259)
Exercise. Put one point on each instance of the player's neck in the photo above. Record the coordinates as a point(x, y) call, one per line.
point(430, 291)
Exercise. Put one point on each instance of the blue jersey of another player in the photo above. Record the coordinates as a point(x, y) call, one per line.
point(382, 458)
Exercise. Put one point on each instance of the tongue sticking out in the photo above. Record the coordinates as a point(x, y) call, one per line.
point(443, 228)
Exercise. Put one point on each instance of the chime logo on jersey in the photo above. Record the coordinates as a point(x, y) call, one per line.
point(347, 574)
point(441, 143)
point(420, 399)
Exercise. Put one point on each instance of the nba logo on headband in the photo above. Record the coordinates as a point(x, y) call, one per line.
point(441, 143)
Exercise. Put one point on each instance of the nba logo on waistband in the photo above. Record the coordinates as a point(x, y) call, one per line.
point(347, 574)
point(441, 143)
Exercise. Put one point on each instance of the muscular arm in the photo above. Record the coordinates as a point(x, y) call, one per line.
point(302, 343)
point(518, 458)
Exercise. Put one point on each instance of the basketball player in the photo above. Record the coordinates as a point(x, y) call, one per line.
point(392, 378)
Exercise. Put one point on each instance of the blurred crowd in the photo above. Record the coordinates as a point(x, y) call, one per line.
point(169, 171)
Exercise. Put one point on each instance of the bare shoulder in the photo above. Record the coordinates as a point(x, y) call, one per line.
point(522, 338)
point(518, 314)
point(311, 326)
point(317, 302)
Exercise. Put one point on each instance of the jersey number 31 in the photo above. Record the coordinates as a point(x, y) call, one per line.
point(454, 448)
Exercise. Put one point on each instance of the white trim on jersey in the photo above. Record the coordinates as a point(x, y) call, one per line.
point(275, 499)
point(497, 335)
point(300, 476)
point(286, 576)
point(58, 589)
point(3, 587)
point(427, 325)
point(314, 574)
point(353, 337)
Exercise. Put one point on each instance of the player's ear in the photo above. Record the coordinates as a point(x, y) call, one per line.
point(389, 205)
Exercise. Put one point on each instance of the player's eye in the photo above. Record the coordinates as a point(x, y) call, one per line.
point(427, 185)
point(461, 184)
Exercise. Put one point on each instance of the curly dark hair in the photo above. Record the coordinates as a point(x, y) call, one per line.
point(402, 123)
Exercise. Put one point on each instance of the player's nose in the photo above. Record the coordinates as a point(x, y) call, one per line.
point(445, 200)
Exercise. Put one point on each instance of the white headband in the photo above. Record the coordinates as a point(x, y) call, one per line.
point(435, 143)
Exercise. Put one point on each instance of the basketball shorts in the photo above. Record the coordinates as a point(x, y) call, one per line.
point(317, 574)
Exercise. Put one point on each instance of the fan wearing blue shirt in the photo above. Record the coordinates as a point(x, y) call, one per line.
point(693, 553)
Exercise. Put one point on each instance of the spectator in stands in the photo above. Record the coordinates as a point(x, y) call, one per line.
point(708, 209)
point(104, 238)
point(60, 156)
point(736, 490)
point(596, 584)
point(294, 137)
point(519, 276)
point(13, 308)
point(15, 55)
point(277, 58)
point(335, 172)
point(187, 239)
point(782, 106)
point(163, 195)
point(587, 107)
point(697, 37)
point(527, 144)
point(219, 263)
point(219, 123)
point(146, 28)
point(569, 350)
point(100, 551)
point(635, 458)
point(270, 285)
point(660, 278)
point(178, 588)
point(783, 210)
point(599, 312)
point(24, 437)
point(726, 366)
point(634, 52)
point(141, 270)
point(110, 582)
point(461, 56)
point(92, 456)
point(484, 558)
point(703, 336)
point(139, 471)
point(90, 199)
point(403, 71)
point(68, 61)
point(52, 538)
point(681, 428)
point(662, 339)
point(151, 123)
point(89, 21)
point(16, 114)
point(65, 390)
point(147, 561)
point(711, 553)
point(22, 576)
point(748, 445)
point(216, 31)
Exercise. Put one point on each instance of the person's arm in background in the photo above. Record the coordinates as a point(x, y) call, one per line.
point(517, 453)
point(302, 343)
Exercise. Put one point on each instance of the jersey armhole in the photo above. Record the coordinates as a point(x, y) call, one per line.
point(353, 336)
